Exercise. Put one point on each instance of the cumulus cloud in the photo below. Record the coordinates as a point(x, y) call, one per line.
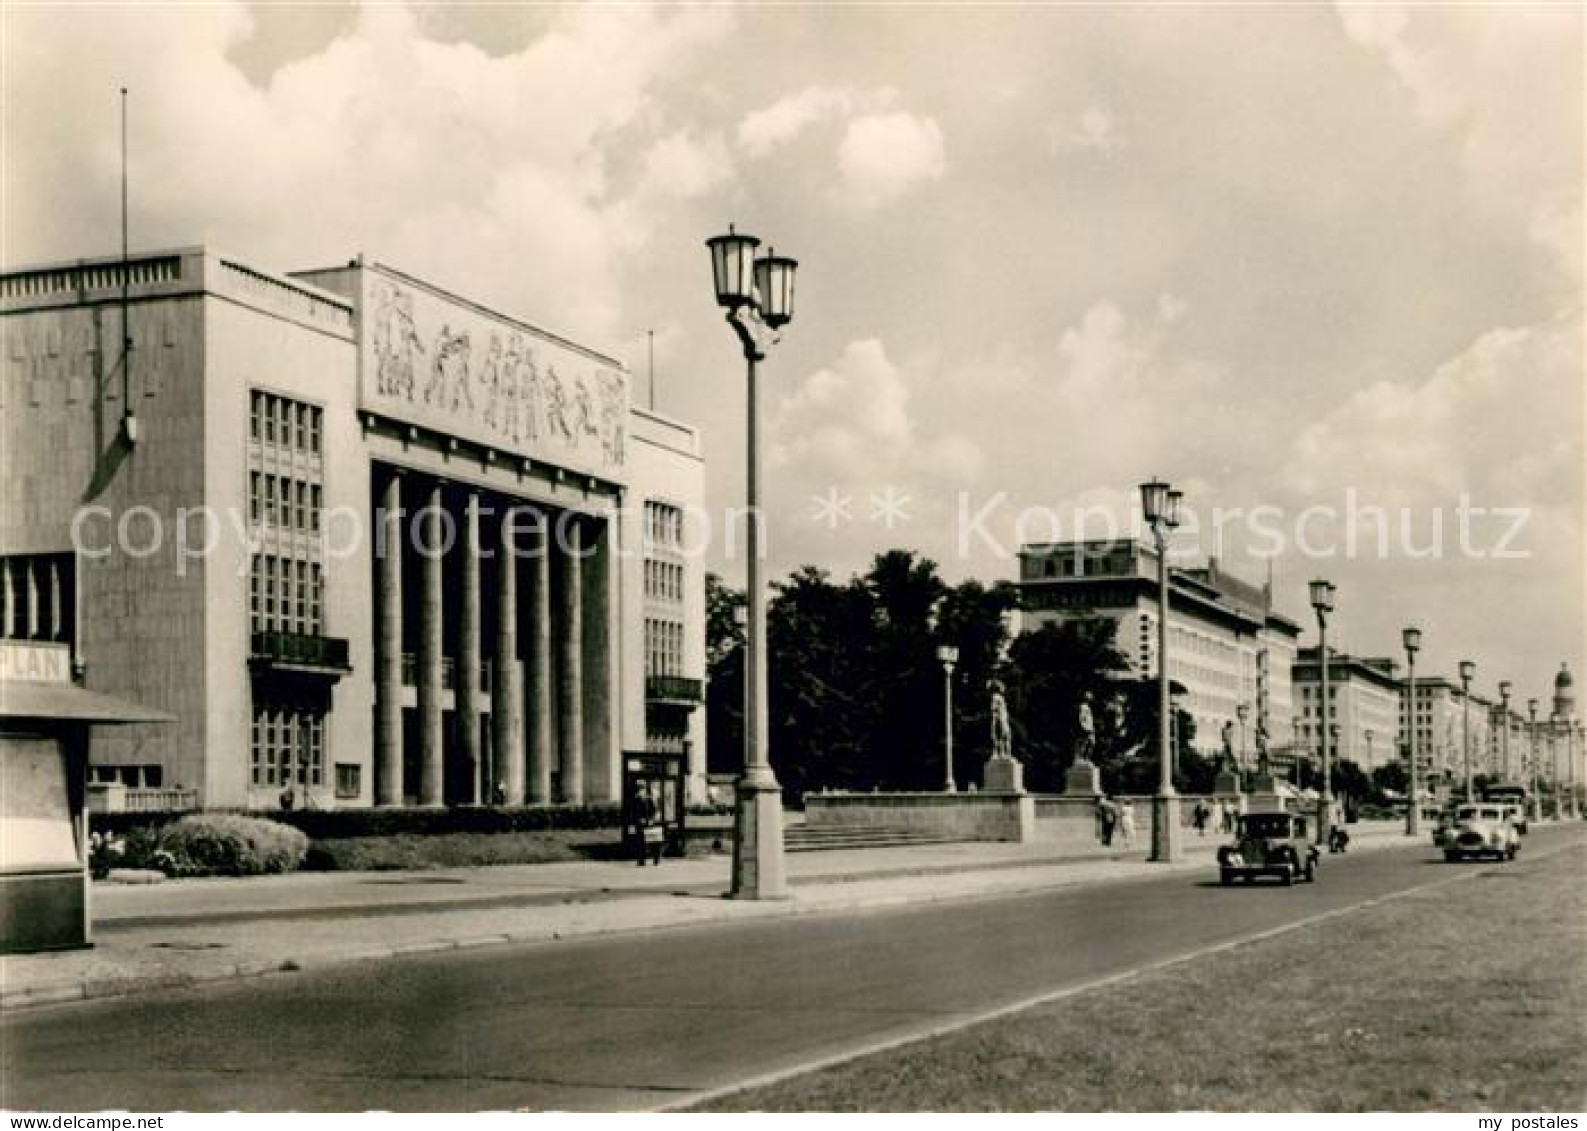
point(1500, 421)
point(435, 155)
point(1506, 81)
point(762, 131)
point(883, 156)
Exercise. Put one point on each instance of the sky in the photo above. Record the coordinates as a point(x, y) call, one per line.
point(1318, 264)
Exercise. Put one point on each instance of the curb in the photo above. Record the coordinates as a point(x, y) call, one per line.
point(101, 988)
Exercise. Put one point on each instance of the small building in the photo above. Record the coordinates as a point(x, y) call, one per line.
point(45, 719)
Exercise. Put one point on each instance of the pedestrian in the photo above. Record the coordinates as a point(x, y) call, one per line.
point(652, 830)
point(1127, 823)
point(1226, 816)
point(1108, 815)
point(1198, 817)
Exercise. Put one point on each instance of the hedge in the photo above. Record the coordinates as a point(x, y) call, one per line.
point(332, 824)
point(203, 844)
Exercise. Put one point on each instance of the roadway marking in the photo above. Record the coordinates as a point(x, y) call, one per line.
point(965, 1021)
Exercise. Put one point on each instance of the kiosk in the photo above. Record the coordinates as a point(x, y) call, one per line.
point(44, 721)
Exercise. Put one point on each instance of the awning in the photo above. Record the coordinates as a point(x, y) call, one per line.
point(66, 702)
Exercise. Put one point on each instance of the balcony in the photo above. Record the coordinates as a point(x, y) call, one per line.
point(674, 689)
point(298, 652)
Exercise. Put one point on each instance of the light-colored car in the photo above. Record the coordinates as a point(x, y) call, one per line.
point(1481, 830)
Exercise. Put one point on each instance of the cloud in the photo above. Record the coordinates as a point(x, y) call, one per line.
point(1500, 421)
point(762, 131)
point(883, 156)
point(1481, 73)
point(1093, 130)
point(434, 155)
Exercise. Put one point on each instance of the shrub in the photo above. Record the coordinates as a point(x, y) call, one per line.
point(226, 844)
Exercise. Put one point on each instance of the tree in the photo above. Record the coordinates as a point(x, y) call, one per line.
point(1050, 669)
point(724, 668)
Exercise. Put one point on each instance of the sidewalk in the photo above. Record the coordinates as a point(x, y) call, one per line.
point(186, 932)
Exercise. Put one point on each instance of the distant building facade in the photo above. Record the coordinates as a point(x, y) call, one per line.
point(1364, 696)
point(1227, 644)
point(316, 434)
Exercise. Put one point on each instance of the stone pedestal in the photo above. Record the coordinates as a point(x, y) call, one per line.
point(1264, 783)
point(1226, 784)
point(1083, 779)
point(758, 871)
point(1167, 832)
point(1003, 775)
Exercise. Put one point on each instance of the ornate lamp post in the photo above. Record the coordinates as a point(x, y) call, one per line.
point(1537, 800)
point(1504, 721)
point(1160, 506)
point(949, 655)
point(1467, 671)
point(1412, 639)
point(757, 293)
point(1322, 600)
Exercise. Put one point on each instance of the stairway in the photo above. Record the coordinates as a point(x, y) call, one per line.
point(826, 838)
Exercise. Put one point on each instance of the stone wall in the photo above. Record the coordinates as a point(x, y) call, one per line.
point(975, 816)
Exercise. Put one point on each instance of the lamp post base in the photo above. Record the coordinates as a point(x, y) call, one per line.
point(1167, 838)
point(758, 871)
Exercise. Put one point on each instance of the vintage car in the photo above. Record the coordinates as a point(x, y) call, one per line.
point(1269, 844)
point(1483, 829)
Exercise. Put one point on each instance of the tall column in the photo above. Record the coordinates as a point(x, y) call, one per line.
point(468, 650)
point(431, 739)
point(506, 704)
point(600, 696)
point(570, 662)
point(388, 645)
point(541, 705)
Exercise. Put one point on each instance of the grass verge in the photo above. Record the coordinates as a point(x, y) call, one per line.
point(1468, 997)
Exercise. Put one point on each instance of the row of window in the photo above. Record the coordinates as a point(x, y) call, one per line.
point(663, 647)
point(285, 501)
point(663, 580)
point(38, 597)
point(286, 595)
point(663, 524)
point(280, 422)
point(288, 746)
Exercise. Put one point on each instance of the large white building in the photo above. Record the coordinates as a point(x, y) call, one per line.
point(1227, 644)
point(232, 521)
point(1364, 697)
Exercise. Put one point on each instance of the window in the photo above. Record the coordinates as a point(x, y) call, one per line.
point(288, 746)
point(38, 597)
point(349, 780)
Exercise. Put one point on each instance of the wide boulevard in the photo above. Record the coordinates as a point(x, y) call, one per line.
point(642, 1021)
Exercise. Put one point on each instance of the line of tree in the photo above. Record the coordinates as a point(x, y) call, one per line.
point(856, 688)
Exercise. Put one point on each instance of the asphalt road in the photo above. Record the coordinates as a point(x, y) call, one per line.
point(645, 1020)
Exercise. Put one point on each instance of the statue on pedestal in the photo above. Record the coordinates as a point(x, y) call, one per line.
point(1002, 736)
point(1264, 764)
point(1086, 742)
point(1227, 735)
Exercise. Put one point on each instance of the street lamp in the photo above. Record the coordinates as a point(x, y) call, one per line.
point(1504, 721)
point(1242, 712)
point(949, 655)
point(1160, 507)
point(757, 293)
point(1322, 600)
point(1467, 671)
point(1537, 800)
point(1412, 639)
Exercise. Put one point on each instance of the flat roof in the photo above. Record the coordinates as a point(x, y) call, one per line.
point(66, 702)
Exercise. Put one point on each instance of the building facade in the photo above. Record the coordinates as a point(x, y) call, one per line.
point(1443, 718)
point(1227, 645)
point(1364, 711)
point(366, 540)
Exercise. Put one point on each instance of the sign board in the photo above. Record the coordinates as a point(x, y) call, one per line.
point(438, 361)
point(35, 662)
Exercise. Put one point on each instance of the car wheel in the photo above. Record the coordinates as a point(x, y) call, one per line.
point(1510, 855)
point(1452, 857)
point(1288, 876)
point(1226, 877)
point(1311, 871)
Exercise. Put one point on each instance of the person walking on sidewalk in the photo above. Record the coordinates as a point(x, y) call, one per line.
point(1127, 823)
point(1107, 818)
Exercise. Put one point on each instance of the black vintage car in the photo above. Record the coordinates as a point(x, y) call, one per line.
point(1269, 844)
